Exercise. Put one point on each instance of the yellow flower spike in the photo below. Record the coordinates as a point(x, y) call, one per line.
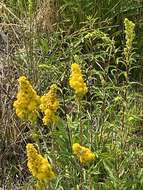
point(49, 105)
point(129, 35)
point(27, 102)
point(76, 148)
point(84, 154)
point(76, 80)
point(38, 165)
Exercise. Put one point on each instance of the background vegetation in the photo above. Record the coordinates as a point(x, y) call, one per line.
point(40, 39)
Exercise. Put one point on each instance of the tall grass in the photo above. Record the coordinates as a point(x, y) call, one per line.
point(90, 33)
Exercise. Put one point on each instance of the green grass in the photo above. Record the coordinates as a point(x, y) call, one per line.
point(90, 33)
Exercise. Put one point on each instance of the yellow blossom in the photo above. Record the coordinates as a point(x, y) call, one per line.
point(76, 80)
point(49, 105)
point(27, 101)
point(38, 165)
point(84, 154)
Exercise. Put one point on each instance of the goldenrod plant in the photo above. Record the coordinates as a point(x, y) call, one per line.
point(76, 81)
point(38, 165)
point(49, 105)
point(27, 103)
point(84, 154)
point(77, 117)
point(129, 36)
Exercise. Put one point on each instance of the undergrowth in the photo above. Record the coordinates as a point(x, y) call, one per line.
point(41, 40)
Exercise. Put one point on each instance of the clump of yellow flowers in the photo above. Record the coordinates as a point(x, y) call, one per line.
point(27, 102)
point(84, 154)
point(130, 35)
point(38, 165)
point(76, 80)
point(49, 105)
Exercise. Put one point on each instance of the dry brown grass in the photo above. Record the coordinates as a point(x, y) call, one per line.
point(11, 130)
point(45, 16)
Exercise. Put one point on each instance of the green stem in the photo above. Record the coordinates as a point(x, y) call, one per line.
point(81, 177)
point(67, 127)
point(80, 123)
point(35, 131)
point(90, 182)
point(53, 139)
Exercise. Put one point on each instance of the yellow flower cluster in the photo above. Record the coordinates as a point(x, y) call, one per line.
point(27, 101)
point(76, 80)
point(130, 35)
point(38, 166)
point(84, 154)
point(49, 105)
